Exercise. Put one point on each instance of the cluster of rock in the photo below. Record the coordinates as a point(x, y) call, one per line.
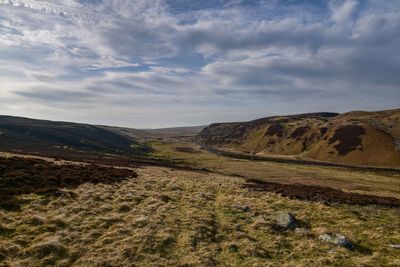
point(287, 221)
point(337, 239)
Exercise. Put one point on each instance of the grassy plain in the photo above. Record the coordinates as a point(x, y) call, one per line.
point(366, 182)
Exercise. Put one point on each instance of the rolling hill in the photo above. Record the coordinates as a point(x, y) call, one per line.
point(30, 135)
point(357, 137)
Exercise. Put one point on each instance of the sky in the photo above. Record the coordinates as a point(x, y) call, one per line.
point(164, 63)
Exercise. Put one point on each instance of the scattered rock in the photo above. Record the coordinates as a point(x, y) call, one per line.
point(394, 246)
point(286, 220)
point(332, 251)
point(243, 208)
point(337, 239)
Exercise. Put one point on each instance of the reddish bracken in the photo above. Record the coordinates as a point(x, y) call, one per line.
point(25, 176)
point(275, 129)
point(349, 138)
point(299, 132)
point(321, 194)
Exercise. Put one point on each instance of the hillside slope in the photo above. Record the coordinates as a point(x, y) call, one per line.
point(358, 137)
point(145, 135)
point(30, 135)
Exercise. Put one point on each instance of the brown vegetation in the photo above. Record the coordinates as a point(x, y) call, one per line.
point(299, 132)
point(168, 217)
point(275, 129)
point(321, 194)
point(25, 176)
point(356, 138)
point(349, 138)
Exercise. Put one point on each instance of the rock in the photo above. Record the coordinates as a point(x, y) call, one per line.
point(337, 239)
point(246, 209)
point(243, 208)
point(394, 246)
point(332, 251)
point(286, 220)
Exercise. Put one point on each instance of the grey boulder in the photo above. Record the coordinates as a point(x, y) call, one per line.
point(336, 239)
point(285, 220)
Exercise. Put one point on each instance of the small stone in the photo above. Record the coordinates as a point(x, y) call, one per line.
point(243, 208)
point(332, 251)
point(287, 220)
point(397, 246)
point(337, 239)
point(246, 209)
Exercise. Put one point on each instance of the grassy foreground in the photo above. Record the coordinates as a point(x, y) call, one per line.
point(168, 217)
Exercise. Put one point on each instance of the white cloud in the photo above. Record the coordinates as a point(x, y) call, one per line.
point(342, 10)
point(236, 59)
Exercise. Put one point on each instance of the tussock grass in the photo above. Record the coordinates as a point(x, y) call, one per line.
point(170, 217)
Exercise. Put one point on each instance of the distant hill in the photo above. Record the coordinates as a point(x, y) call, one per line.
point(30, 135)
point(169, 134)
point(358, 137)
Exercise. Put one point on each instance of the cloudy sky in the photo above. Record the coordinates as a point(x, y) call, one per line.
point(158, 63)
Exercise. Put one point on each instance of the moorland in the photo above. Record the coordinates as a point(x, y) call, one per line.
point(275, 191)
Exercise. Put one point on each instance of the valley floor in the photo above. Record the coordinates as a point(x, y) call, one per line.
point(167, 217)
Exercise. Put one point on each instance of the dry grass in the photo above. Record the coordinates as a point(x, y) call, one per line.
point(167, 217)
point(365, 182)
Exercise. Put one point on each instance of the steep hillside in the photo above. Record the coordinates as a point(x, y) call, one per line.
point(17, 133)
point(362, 138)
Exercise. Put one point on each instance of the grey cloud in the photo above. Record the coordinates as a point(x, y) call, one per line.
point(256, 58)
point(54, 95)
